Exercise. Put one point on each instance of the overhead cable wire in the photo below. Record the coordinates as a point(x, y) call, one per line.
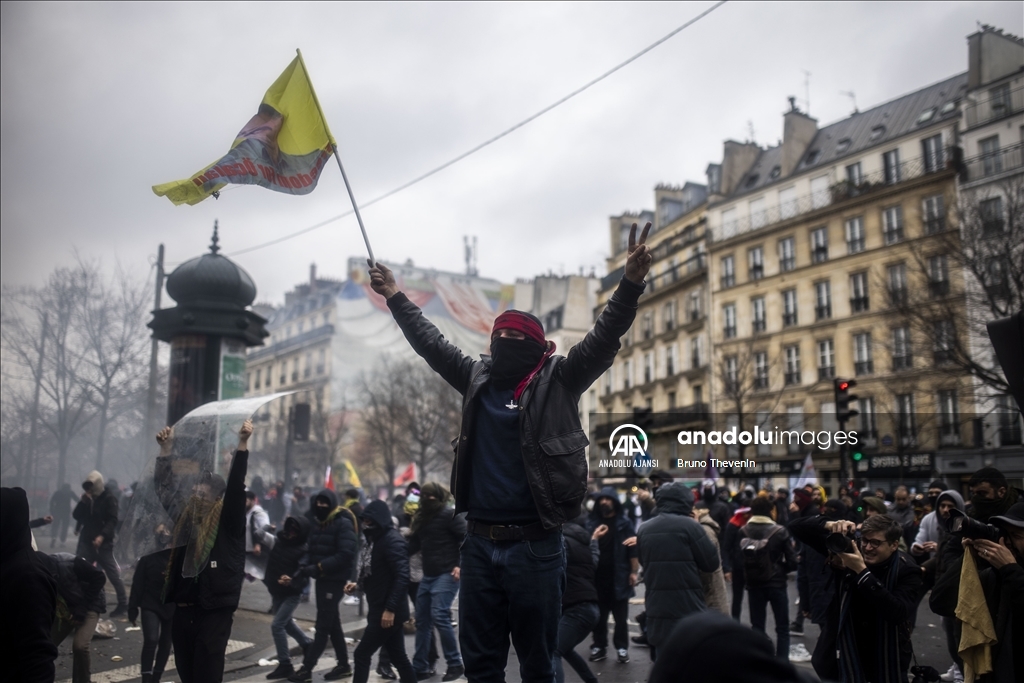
point(492, 140)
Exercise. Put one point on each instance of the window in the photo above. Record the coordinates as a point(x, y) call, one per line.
point(1009, 421)
point(795, 422)
point(609, 380)
point(901, 353)
point(823, 300)
point(789, 308)
point(732, 383)
point(787, 202)
point(698, 395)
point(668, 315)
point(776, 172)
point(787, 254)
point(820, 195)
point(627, 374)
point(992, 160)
point(627, 339)
point(695, 305)
point(926, 116)
point(897, 276)
point(891, 164)
point(854, 176)
point(761, 370)
point(892, 224)
point(729, 316)
point(938, 275)
point(826, 360)
point(697, 352)
point(855, 235)
point(729, 222)
point(647, 325)
point(942, 348)
point(295, 369)
point(905, 422)
point(792, 365)
point(931, 149)
point(842, 146)
point(991, 211)
point(758, 214)
point(259, 373)
point(284, 373)
point(933, 213)
point(671, 400)
point(321, 361)
point(949, 422)
point(728, 271)
point(648, 367)
point(995, 279)
point(863, 364)
point(812, 157)
point(671, 361)
point(755, 263)
point(308, 371)
point(752, 180)
point(819, 245)
point(868, 425)
point(877, 132)
point(859, 293)
point(758, 310)
point(999, 100)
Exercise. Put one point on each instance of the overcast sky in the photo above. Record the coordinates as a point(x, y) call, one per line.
point(101, 101)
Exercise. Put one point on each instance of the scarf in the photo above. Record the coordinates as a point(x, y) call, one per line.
point(196, 540)
point(365, 565)
point(433, 499)
point(887, 642)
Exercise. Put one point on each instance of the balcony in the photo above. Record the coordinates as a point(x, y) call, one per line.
point(859, 304)
point(295, 375)
point(993, 109)
point(893, 235)
point(934, 225)
point(761, 383)
point(822, 312)
point(993, 164)
point(756, 272)
point(728, 281)
point(788, 319)
point(938, 288)
point(787, 264)
point(729, 332)
point(826, 373)
point(940, 356)
point(758, 325)
point(1010, 434)
point(792, 378)
point(695, 315)
point(819, 255)
point(678, 274)
point(898, 296)
point(949, 433)
point(864, 367)
point(855, 246)
point(904, 362)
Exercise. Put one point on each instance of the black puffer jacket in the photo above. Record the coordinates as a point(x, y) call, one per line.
point(387, 584)
point(79, 583)
point(148, 586)
point(28, 597)
point(287, 555)
point(439, 541)
point(581, 561)
point(550, 434)
point(333, 543)
point(219, 582)
point(780, 550)
point(619, 529)
point(674, 549)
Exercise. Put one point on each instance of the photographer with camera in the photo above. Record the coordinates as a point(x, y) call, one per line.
point(992, 642)
point(866, 635)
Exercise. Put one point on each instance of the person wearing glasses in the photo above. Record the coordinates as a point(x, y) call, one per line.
point(866, 634)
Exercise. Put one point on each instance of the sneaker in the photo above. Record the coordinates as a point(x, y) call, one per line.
point(303, 675)
point(385, 671)
point(598, 654)
point(796, 629)
point(282, 671)
point(640, 640)
point(350, 600)
point(453, 673)
point(338, 672)
point(954, 674)
point(799, 653)
point(623, 655)
point(424, 675)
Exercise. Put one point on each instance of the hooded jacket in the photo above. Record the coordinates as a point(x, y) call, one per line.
point(148, 586)
point(79, 583)
point(931, 529)
point(619, 529)
point(714, 582)
point(674, 549)
point(98, 516)
point(287, 555)
point(387, 585)
point(333, 543)
point(28, 596)
point(438, 541)
point(581, 555)
point(551, 437)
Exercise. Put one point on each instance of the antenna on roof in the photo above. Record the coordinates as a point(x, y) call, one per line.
point(807, 91)
point(470, 252)
point(750, 131)
point(852, 96)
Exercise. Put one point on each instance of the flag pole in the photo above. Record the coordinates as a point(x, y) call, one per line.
point(337, 157)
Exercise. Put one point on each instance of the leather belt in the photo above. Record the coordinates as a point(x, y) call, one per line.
point(496, 532)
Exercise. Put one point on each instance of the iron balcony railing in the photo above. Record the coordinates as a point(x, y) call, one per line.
point(994, 163)
point(864, 367)
point(904, 362)
point(826, 373)
point(859, 304)
point(995, 108)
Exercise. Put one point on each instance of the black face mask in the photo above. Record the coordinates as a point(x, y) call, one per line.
point(933, 501)
point(513, 359)
point(986, 507)
point(321, 512)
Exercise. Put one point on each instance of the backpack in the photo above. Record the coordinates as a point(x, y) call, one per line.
point(758, 567)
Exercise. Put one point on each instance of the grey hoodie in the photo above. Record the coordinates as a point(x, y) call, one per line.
point(930, 529)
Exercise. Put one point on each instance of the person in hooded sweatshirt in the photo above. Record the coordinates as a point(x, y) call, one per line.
point(205, 582)
point(617, 570)
point(520, 466)
point(28, 596)
point(330, 560)
point(579, 601)
point(147, 597)
point(674, 549)
point(285, 557)
point(97, 513)
point(80, 602)
point(383, 578)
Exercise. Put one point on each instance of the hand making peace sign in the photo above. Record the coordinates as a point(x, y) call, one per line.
point(639, 259)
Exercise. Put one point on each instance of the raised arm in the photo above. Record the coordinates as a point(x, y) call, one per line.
point(232, 516)
point(426, 340)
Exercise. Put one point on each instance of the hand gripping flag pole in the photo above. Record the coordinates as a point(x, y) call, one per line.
point(337, 157)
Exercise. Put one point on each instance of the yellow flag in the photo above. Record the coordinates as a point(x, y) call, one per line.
point(283, 147)
point(353, 478)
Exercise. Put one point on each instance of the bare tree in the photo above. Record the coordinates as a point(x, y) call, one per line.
point(330, 427)
point(433, 413)
point(385, 417)
point(744, 372)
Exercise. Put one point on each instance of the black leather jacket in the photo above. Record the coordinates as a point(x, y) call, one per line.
point(550, 434)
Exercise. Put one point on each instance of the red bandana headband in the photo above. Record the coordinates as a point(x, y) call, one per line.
point(514, 320)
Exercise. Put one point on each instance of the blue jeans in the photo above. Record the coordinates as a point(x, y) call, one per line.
point(760, 596)
point(576, 622)
point(433, 603)
point(283, 626)
point(511, 588)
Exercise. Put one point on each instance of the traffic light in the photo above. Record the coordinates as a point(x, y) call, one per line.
point(843, 399)
point(301, 425)
point(857, 456)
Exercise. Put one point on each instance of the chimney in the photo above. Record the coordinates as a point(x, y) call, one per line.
point(798, 130)
point(312, 277)
point(737, 159)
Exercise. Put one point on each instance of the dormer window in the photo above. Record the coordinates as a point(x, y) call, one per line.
point(877, 132)
point(752, 180)
point(926, 116)
point(843, 145)
point(776, 172)
point(812, 157)
point(948, 108)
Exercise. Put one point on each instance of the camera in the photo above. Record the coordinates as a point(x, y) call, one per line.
point(924, 674)
point(840, 543)
point(960, 524)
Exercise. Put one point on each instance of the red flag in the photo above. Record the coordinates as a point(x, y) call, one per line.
point(407, 476)
point(328, 479)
